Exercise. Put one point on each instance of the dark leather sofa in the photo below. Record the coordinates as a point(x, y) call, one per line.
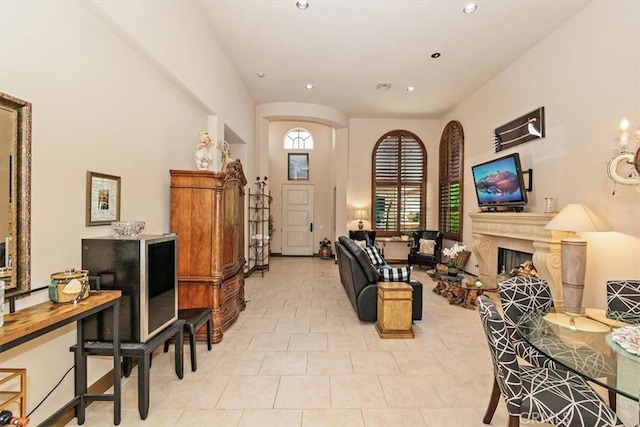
point(415, 257)
point(360, 281)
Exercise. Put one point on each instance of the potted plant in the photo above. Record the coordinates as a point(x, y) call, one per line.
point(325, 249)
point(452, 254)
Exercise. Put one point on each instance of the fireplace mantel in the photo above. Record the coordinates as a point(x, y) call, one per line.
point(523, 231)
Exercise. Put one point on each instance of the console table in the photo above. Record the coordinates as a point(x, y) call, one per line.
point(37, 320)
point(393, 249)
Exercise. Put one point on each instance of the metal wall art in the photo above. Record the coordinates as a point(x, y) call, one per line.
point(523, 129)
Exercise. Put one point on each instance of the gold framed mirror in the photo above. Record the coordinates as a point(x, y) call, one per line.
point(15, 192)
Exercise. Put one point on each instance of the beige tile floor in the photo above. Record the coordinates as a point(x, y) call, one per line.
point(298, 356)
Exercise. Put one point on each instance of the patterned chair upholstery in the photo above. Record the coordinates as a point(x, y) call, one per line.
point(623, 300)
point(538, 394)
point(531, 296)
point(525, 295)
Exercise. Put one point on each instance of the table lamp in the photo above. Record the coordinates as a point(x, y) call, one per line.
point(360, 215)
point(574, 218)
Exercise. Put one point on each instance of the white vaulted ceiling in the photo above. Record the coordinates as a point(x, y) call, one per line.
point(346, 48)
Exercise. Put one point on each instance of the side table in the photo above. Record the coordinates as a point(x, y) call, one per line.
point(394, 310)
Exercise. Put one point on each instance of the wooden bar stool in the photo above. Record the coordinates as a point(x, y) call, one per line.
point(194, 318)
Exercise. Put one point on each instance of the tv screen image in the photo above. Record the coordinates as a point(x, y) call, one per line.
point(499, 182)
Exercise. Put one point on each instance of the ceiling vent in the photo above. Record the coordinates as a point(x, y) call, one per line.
point(384, 86)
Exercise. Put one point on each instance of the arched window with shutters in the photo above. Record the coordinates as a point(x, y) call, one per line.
point(451, 180)
point(398, 183)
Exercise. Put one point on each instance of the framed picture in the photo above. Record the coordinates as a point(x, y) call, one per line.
point(103, 198)
point(299, 167)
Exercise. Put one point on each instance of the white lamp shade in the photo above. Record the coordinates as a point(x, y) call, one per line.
point(362, 214)
point(578, 218)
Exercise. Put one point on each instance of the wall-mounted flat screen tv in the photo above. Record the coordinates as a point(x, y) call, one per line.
point(500, 182)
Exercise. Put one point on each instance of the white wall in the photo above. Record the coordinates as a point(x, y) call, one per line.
point(103, 104)
point(586, 75)
point(177, 39)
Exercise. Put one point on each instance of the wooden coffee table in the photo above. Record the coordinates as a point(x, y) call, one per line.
point(459, 290)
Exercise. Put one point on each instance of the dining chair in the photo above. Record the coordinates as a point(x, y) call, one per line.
point(535, 393)
point(531, 296)
point(520, 296)
point(623, 300)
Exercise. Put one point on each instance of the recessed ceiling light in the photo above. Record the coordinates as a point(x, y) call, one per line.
point(308, 86)
point(302, 4)
point(435, 55)
point(261, 74)
point(470, 8)
point(410, 88)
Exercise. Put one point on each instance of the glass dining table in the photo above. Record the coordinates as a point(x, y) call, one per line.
point(584, 340)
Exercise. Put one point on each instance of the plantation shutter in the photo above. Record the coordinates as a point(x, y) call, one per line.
point(450, 182)
point(398, 182)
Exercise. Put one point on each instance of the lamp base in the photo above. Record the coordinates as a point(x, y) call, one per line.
point(572, 296)
point(574, 262)
point(360, 225)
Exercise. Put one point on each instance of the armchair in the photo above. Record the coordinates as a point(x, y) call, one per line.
point(426, 248)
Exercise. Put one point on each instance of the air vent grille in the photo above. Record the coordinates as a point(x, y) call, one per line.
point(384, 86)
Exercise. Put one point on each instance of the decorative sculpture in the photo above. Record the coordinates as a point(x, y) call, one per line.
point(203, 156)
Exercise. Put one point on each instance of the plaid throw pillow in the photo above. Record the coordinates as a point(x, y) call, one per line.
point(374, 256)
point(398, 274)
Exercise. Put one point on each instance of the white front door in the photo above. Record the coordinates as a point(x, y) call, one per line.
point(297, 219)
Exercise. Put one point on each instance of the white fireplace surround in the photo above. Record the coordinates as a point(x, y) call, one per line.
point(519, 231)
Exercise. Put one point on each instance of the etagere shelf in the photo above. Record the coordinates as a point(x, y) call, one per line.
point(259, 229)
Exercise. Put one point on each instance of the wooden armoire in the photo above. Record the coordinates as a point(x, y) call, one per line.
point(207, 214)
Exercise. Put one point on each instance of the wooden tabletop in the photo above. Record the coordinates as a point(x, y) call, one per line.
point(394, 286)
point(41, 316)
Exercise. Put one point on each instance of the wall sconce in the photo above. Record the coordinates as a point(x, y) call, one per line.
point(361, 214)
point(574, 218)
point(624, 167)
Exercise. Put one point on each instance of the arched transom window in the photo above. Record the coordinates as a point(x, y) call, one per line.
point(399, 172)
point(298, 139)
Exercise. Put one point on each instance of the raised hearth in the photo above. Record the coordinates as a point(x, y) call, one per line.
point(523, 231)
